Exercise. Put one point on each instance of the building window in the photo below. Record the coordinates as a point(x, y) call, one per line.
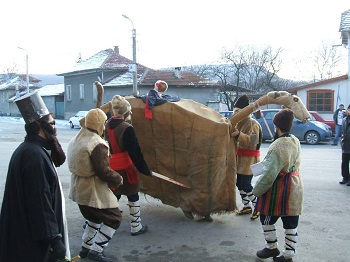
point(69, 92)
point(81, 91)
point(94, 93)
point(320, 100)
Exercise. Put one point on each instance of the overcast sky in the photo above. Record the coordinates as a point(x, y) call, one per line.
point(169, 33)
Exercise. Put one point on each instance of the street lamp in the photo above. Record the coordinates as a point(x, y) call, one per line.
point(134, 66)
point(27, 76)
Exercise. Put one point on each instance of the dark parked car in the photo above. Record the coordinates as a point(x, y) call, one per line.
point(312, 132)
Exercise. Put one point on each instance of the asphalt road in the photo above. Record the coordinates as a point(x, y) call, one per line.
point(323, 234)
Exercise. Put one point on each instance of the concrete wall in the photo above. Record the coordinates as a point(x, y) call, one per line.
point(4, 105)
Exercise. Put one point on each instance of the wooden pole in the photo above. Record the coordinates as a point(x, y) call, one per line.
point(169, 180)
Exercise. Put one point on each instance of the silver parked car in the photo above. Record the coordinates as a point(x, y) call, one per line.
point(312, 132)
point(74, 120)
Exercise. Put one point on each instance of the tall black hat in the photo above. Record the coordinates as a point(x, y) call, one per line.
point(242, 102)
point(32, 107)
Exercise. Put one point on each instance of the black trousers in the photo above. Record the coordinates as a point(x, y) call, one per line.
point(244, 182)
point(345, 159)
point(289, 222)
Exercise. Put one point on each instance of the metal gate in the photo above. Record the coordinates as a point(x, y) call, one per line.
point(59, 110)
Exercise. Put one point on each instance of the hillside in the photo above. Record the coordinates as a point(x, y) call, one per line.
point(49, 79)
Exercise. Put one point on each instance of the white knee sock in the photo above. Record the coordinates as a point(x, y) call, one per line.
point(291, 239)
point(135, 216)
point(270, 236)
point(90, 233)
point(252, 198)
point(245, 198)
point(102, 238)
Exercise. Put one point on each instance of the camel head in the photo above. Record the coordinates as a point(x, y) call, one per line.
point(288, 100)
point(283, 98)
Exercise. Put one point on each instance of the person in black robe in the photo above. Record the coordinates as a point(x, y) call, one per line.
point(31, 218)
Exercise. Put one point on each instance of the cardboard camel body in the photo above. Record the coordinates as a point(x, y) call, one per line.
point(190, 143)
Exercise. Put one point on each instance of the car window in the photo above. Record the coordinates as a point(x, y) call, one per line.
point(269, 115)
point(312, 118)
point(226, 113)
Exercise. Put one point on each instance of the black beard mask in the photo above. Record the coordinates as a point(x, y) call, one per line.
point(57, 155)
point(50, 132)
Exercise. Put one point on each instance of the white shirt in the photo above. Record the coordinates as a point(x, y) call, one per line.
point(340, 117)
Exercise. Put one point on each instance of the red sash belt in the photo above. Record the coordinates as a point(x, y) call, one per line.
point(148, 112)
point(247, 152)
point(121, 160)
point(291, 174)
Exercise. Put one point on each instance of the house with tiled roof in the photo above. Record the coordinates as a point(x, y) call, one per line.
point(112, 70)
point(12, 85)
point(326, 96)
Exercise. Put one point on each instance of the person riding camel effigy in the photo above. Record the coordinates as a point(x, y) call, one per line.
point(155, 97)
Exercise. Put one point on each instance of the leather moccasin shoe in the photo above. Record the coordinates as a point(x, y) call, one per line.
point(282, 259)
point(96, 256)
point(245, 211)
point(83, 252)
point(266, 253)
point(144, 229)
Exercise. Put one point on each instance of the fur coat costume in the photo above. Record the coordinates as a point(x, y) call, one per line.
point(250, 138)
point(88, 160)
point(283, 156)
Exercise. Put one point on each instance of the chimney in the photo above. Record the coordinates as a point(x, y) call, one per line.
point(116, 50)
point(177, 72)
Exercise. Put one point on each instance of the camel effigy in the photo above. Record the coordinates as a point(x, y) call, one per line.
point(190, 143)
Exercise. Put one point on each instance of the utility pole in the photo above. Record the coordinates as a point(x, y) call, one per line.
point(27, 75)
point(134, 65)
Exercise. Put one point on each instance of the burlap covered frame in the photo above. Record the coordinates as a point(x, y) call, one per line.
point(190, 143)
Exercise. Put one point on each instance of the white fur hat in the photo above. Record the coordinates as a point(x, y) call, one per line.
point(120, 106)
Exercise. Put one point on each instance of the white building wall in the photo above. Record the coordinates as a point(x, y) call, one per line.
point(343, 86)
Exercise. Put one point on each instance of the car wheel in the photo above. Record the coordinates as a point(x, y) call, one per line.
point(71, 125)
point(312, 138)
